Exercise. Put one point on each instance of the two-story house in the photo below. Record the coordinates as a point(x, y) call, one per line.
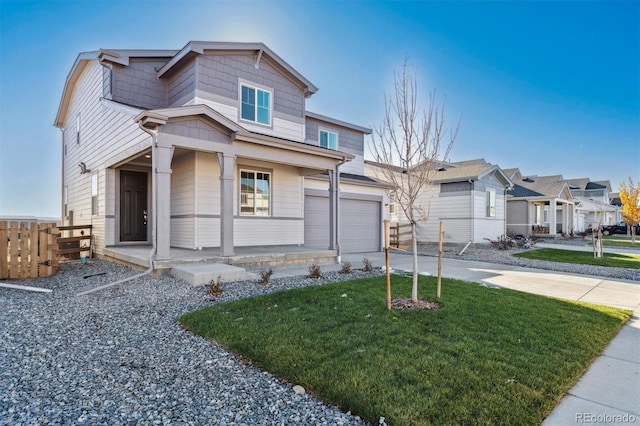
point(210, 146)
point(593, 204)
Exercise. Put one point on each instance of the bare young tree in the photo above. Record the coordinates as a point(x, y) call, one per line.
point(409, 145)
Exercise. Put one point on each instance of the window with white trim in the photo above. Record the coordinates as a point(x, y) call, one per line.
point(491, 203)
point(255, 193)
point(94, 194)
point(328, 139)
point(255, 105)
point(393, 203)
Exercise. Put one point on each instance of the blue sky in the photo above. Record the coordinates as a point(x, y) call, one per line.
point(548, 87)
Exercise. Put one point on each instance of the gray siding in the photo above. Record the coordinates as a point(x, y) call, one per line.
point(139, 85)
point(105, 133)
point(219, 74)
point(195, 129)
point(182, 85)
point(348, 140)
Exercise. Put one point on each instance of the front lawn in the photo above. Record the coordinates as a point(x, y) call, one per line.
point(614, 260)
point(488, 356)
point(621, 241)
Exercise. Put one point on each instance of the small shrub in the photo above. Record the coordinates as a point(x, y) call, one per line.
point(314, 271)
point(506, 242)
point(366, 265)
point(265, 276)
point(214, 288)
point(346, 268)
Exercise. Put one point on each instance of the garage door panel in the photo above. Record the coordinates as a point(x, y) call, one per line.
point(360, 224)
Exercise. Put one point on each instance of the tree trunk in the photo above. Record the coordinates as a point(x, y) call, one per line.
point(414, 239)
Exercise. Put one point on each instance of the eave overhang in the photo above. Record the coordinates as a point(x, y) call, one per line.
point(81, 62)
point(365, 130)
point(154, 118)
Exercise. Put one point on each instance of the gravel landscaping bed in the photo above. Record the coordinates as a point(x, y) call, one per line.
point(485, 253)
point(118, 356)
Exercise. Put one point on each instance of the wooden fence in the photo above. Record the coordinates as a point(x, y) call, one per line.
point(28, 250)
point(75, 240)
point(400, 235)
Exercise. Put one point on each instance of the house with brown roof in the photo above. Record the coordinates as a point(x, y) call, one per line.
point(539, 205)
point(210, 146)
point(468, 197)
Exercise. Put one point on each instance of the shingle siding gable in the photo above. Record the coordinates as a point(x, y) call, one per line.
point(138, 84)
point(219, 75)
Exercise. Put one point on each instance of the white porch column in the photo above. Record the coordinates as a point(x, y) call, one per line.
point(162, 170)
point(227, 166)
point(565, 218)
point(552, 217)
point(333, 197)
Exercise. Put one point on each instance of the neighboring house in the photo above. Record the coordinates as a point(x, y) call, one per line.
point(540, 205)
point(594, 206)
point(209, 146)
point(467, 196)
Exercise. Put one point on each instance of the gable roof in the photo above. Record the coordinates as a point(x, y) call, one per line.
point(195, 48)
point(513, 173)
point(458, 171)
point(468, 170)
point(174, 58)
point(580, 183)
point(546, 186)
point(519, 191)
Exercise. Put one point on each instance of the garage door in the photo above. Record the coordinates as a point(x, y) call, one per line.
point(359, 224)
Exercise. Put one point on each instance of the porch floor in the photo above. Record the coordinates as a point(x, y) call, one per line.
point(247, 257)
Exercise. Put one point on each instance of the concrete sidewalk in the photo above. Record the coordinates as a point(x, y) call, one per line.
point(609, 393)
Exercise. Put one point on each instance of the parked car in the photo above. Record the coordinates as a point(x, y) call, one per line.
point(620, 228)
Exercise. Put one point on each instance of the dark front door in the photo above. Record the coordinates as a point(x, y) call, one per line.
point(133, 206)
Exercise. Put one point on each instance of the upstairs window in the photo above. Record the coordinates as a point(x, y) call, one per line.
point(255, 193)
point(491, 203)
point(256, 105)
point(328, 139)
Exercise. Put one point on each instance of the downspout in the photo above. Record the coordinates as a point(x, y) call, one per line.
point(344, 160)
point(62, 215)
point(473, 210)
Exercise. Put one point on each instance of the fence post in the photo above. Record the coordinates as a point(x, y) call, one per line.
point(52, 254)
point(14, 249)
point(4, 250)
point(24, 250)
point(4, 246)
point(33, 250)
point(42, 254)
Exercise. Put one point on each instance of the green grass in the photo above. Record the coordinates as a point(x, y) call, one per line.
point(614, 260)
point(620, 241)
point(487, 357)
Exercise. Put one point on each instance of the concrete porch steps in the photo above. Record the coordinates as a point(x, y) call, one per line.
point(204, 273)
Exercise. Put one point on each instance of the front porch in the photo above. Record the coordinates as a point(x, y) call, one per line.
point(246, 257)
